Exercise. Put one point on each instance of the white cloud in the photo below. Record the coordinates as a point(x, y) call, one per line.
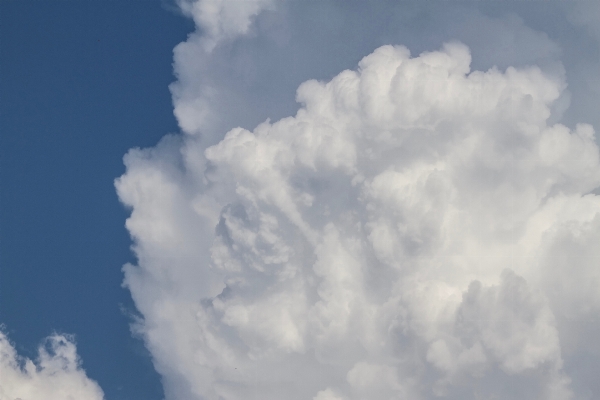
point(222, 19)
point(416, 230)
point(217, 22)
point(250, 77)
point(55, 375)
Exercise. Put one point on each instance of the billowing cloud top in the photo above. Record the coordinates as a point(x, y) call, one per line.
point(56, 375)
point(416, 230)
point(222, 19)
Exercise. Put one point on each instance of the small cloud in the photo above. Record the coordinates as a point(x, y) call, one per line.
point(55, 375)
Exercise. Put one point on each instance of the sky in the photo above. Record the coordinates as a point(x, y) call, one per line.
point(326, 200)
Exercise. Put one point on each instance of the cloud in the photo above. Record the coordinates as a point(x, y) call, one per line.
point(248, 78)
point(417, 229)
point(586, 14)
point(220, 20)
point(55, 375)
point(217, 22)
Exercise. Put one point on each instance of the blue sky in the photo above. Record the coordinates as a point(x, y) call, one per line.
point(81, 83)
point(325, 200)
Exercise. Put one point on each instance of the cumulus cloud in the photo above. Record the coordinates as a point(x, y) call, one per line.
point(247, 78)
point(55, 375)
point(217, 22)
point(222, 19)
point(416, 230)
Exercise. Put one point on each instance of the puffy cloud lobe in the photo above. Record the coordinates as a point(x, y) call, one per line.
point(396, 238)
point(56, 374)
point(217, 21)
point(222, 19)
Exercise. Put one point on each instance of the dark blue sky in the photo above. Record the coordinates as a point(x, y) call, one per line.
point(81, 82)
